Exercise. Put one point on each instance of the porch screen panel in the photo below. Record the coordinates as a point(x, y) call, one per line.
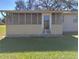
point(39, 18)
point(58, 18)
point(21, 18)
point(9, 18)
point(15, 18)
point(28, 18)
point(34, 18)
point(53, 18)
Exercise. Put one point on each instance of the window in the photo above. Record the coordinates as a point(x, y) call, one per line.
point(15, 18)
point(9, 18)
point(21, 18)
point(24, 18)
point(34, 18)
point(28, 18)
point(53, 18)
point(56, 18)
point(39, 18)
point(75, 19)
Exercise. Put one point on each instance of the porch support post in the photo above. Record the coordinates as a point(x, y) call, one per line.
point(31, 18)
point(62, 18)
point(6, 18)
point(25, 17)
point(12, 19)
point(37, 18)
point(18, 19)
point(42, 22)
point(55, 18)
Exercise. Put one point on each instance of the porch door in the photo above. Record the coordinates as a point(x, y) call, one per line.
point(46, 23)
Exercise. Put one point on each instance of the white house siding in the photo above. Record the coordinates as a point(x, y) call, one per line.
point(56, 29)
point(68, 23)
point(23, 30)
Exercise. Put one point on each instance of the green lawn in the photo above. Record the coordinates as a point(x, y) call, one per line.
point(2, 30)
point(39, 48)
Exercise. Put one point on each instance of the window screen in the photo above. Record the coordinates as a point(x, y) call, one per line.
point(53, 18)
point(58, 19)
point(15, 18)
point(34, 18)
point(28, 18)
point(21, 18)
point(39, 18)
point(9, 18)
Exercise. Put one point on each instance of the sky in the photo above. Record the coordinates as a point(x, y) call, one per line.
point(7, 5)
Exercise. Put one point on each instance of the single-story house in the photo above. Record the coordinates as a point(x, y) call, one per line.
point(40, 22)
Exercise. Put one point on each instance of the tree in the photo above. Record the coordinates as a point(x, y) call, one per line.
point(20, 5)
point(30, 5)
point(3, 16)
point(70, 4)
point(3, 20)
point(59, 4)
point(47, 5)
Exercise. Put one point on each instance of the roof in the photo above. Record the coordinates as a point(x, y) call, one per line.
point(39, 11)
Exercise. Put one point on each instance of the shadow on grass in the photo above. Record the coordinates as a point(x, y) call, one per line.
point(33, 44)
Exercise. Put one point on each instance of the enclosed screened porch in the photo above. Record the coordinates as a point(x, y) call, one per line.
point(28, 23)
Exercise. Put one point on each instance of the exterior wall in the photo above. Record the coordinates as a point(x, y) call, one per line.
point(56, 29)
point(19, 28)
point(68, 24)
point(18, 24)
point(23, 18)
point(57, 26)
point(23, 30)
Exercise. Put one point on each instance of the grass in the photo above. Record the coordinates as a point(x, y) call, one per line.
point(39, 47)
point(2, 30)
